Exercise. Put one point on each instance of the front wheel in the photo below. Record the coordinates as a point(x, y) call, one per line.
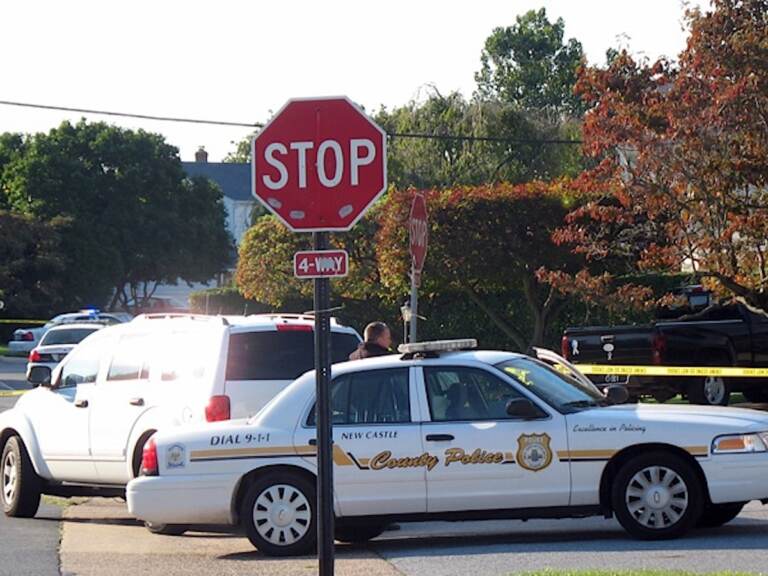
point(19, 483)
point(716, 515)
point(657, 496)
point(278, 514)
point(710, 391)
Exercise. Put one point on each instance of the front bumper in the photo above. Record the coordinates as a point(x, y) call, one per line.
point(200, 499)
point(736, 477)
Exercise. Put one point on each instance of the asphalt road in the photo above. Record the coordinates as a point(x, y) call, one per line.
point(13, 373)
point(505, 547)
point(29, 547)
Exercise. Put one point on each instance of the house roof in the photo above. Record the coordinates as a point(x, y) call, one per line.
point(234, 179)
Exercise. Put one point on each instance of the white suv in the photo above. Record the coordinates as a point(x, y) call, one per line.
point(83, 430)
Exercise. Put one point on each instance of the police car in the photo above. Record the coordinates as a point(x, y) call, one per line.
point(447, 432)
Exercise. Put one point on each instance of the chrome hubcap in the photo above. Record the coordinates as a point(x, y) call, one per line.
point(714, 389)
point(281, 514)
point(657, 497)
point(10, 477)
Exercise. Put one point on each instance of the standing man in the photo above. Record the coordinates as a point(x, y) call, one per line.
point(378, 339)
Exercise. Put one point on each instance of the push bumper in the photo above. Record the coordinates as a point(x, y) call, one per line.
point(736, 477)
point(205, 499)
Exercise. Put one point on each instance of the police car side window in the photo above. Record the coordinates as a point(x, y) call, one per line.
point(374, 397)
point(464, 394)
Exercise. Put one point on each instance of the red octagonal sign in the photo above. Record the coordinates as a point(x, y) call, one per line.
point(319, 164)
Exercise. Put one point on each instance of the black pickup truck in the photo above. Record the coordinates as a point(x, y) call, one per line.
point(718, 335)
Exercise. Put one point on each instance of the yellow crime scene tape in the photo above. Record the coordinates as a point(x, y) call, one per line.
point(22, 321)
point(724, 371)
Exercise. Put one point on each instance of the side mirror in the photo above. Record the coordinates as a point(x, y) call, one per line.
point(40, 376)
point(522, 408)
point(616, 394)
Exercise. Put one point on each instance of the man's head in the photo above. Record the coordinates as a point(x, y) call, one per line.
point(378, 333)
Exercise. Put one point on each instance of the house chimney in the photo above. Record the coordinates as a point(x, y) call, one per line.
point(201, 155)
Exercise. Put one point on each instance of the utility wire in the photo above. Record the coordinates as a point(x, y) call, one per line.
point(129, 115)
point(410, 135)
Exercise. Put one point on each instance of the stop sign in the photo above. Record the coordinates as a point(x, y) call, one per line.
point(417, 227)
point(319, 164)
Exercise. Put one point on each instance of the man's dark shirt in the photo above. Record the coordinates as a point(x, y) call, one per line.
point(368, 350)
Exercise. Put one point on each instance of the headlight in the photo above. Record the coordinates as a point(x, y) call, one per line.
point(740, 443)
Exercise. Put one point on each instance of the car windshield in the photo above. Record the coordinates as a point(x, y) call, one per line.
point(556, 389)
point(68, 336)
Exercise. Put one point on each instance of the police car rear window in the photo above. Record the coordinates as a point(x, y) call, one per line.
point(70, 336)
point(280, 355)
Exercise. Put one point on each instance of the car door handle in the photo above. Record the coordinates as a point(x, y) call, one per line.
point(313, 441)
point(81, 403)
point(136, 401)
point(439, 437)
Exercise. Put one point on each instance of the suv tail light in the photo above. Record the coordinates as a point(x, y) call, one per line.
point(149, 459)
point(659, 346)
point(564, 348)
point(34, 356)
point(218, 409)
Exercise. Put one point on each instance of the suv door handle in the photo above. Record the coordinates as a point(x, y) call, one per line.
point(313, 441)
point(81, 403)
point(439, 437)
point(136, 401)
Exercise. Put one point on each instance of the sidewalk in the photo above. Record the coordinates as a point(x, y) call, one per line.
point(100, 538)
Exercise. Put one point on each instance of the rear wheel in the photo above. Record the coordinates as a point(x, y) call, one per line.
point(657, 496)
point(710, 391)
point(278, 514)
point(716, 515)
point(358, 534)
point(19, 483)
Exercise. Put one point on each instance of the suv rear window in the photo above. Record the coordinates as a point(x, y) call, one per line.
point(276, 355)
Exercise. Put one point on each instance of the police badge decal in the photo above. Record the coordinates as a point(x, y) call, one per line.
point(534, 452)
point(176, 456)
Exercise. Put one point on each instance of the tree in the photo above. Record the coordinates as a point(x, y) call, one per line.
point(135, 219)
point(265, 268)
point(446, 162)
point(31, 265)
point(242, 152)
point(529, 65)
point(682, 179)
point(487, 243)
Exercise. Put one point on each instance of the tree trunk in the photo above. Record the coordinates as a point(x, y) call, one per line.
point(510, 331)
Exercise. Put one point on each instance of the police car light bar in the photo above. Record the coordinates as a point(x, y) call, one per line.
point(438, 346)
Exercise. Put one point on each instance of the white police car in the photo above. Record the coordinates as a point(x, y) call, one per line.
point(439, 433)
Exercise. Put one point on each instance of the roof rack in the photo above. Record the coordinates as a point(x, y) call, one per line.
point(434, 348)
point(179, 315)
point(290, 316)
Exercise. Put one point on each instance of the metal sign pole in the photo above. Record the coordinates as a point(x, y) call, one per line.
point(325, 530)
point(414, 305)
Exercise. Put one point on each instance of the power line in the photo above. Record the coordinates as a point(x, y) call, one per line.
point(130, 115)
point(409, 135)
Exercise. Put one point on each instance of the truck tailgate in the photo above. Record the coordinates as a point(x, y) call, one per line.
point(631, 345)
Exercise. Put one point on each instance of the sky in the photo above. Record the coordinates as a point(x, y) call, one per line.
point(240, 61)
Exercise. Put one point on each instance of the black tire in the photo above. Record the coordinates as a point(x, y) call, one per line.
point(166, 529)
point(292, 493)
point(358, 534)
point(756, 395)
point(19, 483)
point(715, 515)
point(630, 500)
point(710, 391)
